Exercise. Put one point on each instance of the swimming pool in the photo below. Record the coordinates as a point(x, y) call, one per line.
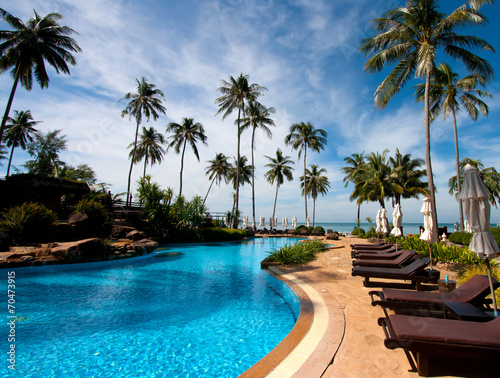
point(192, 310)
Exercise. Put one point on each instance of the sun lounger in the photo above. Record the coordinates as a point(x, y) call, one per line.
point(414, 272)
point(376, 246)
point(397, 261)
point(378, 255)
point(473, 291)
point(445, 338)
point(355, 252)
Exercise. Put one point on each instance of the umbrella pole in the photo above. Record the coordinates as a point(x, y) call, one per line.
point(430, 254)
point(495, 310)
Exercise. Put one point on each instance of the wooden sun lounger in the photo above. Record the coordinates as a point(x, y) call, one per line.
point(371, 247)
point(397, 261)
point(449, 339)
point(356, 253)
point(414, 272)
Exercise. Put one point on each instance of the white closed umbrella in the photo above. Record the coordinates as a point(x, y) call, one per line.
point(308, 221)
point(467, 227)
point(262, 223)
point(385, 222)
point(225, 221)
point(428, 234)
point(286, 221)
point(397, 219)
point(474, 196)
point(245, 221)
point(378, 222)
point(294, 222)
point(283, 222)
point(275, 221)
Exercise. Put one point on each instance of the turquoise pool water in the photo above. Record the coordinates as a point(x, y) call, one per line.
point(206, 311)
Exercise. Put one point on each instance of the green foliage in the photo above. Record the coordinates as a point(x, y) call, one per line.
point(95, 210)
point(222, 234)
point(471, 271)
point(300, 228)
point(358, 231)
point(296, 254)
point(319, 229)
point(28, 223)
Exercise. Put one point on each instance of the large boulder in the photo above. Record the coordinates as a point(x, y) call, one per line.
point(145, 245)
point(83, 250)
point(119, 231)
point(136, 235)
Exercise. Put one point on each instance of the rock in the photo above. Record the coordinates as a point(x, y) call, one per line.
point(136, 235)
point(78, 219)
point(82, 250)
point(146, 245)
point(120, 231)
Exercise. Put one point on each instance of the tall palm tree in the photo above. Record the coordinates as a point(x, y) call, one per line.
point(447, 92)
point(217, 170)
point(315, 183)
point(353, 173)
point(236, 95)
point(406, 176)
point(147, 102)
point(279, 170)
point(376, 185)
point(411, 36)
point(28, 46)
point(149, 148)
point(257, 116)
point(303, 135)
point(19, 131)
point(244, 175)
point(186, 132)
point(490, 177)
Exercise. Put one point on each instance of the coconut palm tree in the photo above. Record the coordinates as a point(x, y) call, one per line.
point(29, 46)
point(376, 185)
point(147, 102)
point(410, 37)
point(257, 116)
point(186, 132)
point(279, 170)
point(149, 148)
point(447, 92)
point(19, 131)
point(45, 149)
point(217, 170)
point(490, 177)
point(245, 173)
point(236, 95)
point(405, 176)
point(303, 135)
point(314, 183)
point(353, 173)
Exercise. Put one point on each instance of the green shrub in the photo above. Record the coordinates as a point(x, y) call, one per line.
point(371, 233)
point(222, 234)
point(319, 229)
point(30, 222)
point(95, 210)
point(470, 271)
point(300, 228)
point(358, 231)
point(295, 254)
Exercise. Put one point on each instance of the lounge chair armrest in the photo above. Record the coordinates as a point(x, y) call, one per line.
point(377, 293)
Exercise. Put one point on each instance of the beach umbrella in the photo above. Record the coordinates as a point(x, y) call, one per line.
point(262, 223)
point(245, 221)
point(467, 227)
point(253, 224)
point(378, 221)
point(397, 219)
point(307, 221)
point(385, 222)
point(275, 221)
point(283, 222)
point(294, 222)
point(474, 196)
point(225, 221)
point(428, 236)
point(286, 221)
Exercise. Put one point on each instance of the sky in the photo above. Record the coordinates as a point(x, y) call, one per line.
point(305, 52)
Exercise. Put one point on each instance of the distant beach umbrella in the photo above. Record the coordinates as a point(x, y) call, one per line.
point(467, 227)
point(253, 224)
point(385, 222)
point(428, 235)
point(397, 218)
point(275, 221)
point(455, 225)
point(262, 223)
point(294, 222)
point(308, 221)
point(474, 196)
point(378, 222)
point(283, 222)
point(245, 221)
point(225, 221)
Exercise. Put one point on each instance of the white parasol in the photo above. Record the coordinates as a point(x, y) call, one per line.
point(286, 221)
point(245, 221)
point(378, 222)
point(397, 219)
point(474, 196)
point(385, 222)
point(428, 234)
point(294, 222)
point(262, 222)
point(308, 221)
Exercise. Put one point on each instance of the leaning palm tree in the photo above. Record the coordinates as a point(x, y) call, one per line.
point(149, 148)
point(257, 116)
point(29, 46)
point(405, 177)
point(217, 170)
point(19, 131)
point(244, 175)
point(236, 95)
point(279, 170)
point(186, 132)
point(315, 183)
point(410, 37)
point(147, 101)
point(447, 92)
point(303, 135)
point(353, 173)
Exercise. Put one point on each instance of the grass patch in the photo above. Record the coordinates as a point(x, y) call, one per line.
point(296, 254)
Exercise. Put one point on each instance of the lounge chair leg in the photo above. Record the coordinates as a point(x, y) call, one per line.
point(423, 364)
point(366, 282)
point(411, 360)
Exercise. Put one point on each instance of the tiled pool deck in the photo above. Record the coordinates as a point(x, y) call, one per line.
point(337, 333)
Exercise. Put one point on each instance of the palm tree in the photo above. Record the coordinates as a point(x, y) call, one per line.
point(406, 176)
point(490, 177)
point(245, 173)
point(376, 184)
point(236, 95)
point(410, 36)
point(149, 148)
point(447, 92)
point(188, 132)
point(217, 171)
point(45, 150)
point(313, 184)
point(19, 132)
point(148, 102)
point(279, 170)
point(303, 135)
point(26, 49)
point(257, 116)
point(353, 173)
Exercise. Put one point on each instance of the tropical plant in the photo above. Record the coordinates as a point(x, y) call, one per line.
point(489, 176)
point(303, 135)
point(405, 177)
point(447, 92)
point(96, 211)
point(471, 271)
point(187, 132)
point(236, 95)
point(411, 36)
point(28, 46)
point(217, 170)
point(376, 184)
point(279, 170)
point(82, 172)
point(244, 173)
point(257, 116)
point(149, 148)
point(295, 254)
point(45, 149)
point(354, 173)
point(147, 102)
point(315, 183)
point(19, 131)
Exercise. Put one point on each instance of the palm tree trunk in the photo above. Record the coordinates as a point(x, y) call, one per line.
point(457, 161)
point(182, 166)
point(314, 210)
point(236, 200)
point(253, 180)
point(10, 160)
point(208, 191)
point(9, 104)
point(359, 213)
point(145, 164)
point(275, 200)
point(430, 178)
point(305, 197)
point(132, 159)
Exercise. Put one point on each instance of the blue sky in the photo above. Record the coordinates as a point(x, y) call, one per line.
point(305, 52)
